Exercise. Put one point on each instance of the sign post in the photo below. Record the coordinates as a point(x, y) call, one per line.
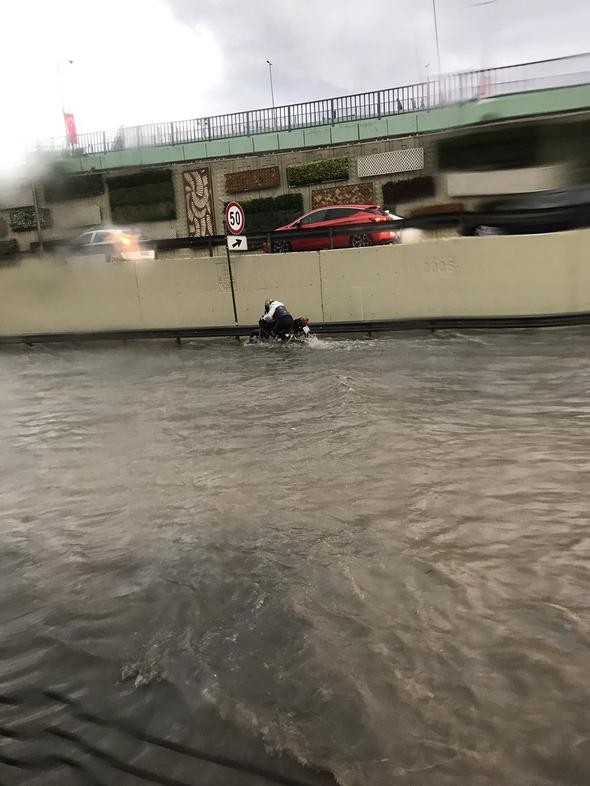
point(235, 221)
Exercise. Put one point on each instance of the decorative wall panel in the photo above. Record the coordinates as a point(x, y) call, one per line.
point(358, 194)
point(199, 203)
point(407, 190)
point(406, 160)
point(252, 180)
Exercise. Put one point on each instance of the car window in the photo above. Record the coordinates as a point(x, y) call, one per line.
point(85, 239)
point(102, 237)
point(385, 214)
point(334, 213)
point(313, 218)
point(376, 212)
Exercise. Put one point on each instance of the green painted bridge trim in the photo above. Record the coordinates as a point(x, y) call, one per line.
point(518, 105)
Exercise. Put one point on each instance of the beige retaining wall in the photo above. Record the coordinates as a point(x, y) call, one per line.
point(456, 277)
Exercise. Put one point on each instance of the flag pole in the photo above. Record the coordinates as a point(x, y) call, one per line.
point(61, 96)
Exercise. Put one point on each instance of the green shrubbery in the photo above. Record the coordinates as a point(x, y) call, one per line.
point(318, 172)
point(65, 188)
point(486, 150)
point(268, 213)
point(272, 204)
point(268, 222)
point(8, 248)
point(146, 196)
point(22, 219)
point(137, 214)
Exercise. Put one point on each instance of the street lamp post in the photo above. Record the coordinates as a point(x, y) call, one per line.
point(272, 94)
point(436, 36)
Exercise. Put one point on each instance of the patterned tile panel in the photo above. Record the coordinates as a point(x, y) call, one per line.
point(198, 201)
point(407, 160)
point(358, 194)
point(252, 180)
point(408, 189)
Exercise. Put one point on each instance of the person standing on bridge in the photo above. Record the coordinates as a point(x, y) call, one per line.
point(276, 320)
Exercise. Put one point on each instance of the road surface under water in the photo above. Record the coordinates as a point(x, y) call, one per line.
point(365, 556)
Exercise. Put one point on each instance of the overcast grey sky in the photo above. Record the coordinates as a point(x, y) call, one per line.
point(143, 61)
point(325, 47)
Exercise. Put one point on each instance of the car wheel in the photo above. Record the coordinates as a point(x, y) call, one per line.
point(359, 241)
point(280, 246)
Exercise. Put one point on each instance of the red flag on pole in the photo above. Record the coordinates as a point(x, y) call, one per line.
point(70, 124)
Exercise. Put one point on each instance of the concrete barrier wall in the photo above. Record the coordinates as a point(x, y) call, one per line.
point(50, 297)
point(460, 277)
point(292, 278)
point(456, 277)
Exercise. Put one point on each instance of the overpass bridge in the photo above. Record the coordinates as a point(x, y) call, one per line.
point(453, 100)
point(449, 145)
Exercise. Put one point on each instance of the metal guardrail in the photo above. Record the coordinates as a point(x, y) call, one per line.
point(367, 327)
point(421, 96)
point(571, 216)
point(545, 219)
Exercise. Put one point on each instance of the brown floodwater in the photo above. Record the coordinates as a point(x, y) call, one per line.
point(367, 557)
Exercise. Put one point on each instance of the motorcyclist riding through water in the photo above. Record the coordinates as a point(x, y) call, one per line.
point(276, 320)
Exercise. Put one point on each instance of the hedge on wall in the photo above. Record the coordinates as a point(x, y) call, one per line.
point(407, 190)
point(268, 222)
point(76, 187)
point(8, 248)
point(318, 172)
point(266, 214)
point(138, 214)
point(272, 204)
point(484, 150)
point(145, 178)
point(145, 196)
point(22, 219)
point(148, 194)
point(252, 180)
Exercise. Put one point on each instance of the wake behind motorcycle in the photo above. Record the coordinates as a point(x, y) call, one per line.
point(301, 332)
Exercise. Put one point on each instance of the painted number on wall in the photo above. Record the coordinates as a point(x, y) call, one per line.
point(440, 266)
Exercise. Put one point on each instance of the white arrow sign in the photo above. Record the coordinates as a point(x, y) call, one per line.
point(237, 243)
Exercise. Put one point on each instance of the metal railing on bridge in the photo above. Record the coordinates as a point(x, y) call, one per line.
point(422, 96)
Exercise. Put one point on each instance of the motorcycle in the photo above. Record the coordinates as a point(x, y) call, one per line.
point(301, 332)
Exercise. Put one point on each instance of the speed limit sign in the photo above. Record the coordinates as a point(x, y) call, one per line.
point(235, 220)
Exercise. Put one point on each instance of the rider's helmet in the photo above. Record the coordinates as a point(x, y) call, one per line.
point(267, 306)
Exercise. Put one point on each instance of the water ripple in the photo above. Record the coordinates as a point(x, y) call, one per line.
point(369, 556)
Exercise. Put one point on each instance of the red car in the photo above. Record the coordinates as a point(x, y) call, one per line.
point(338, 217)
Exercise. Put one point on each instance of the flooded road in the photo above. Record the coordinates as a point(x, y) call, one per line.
point(365, 556)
